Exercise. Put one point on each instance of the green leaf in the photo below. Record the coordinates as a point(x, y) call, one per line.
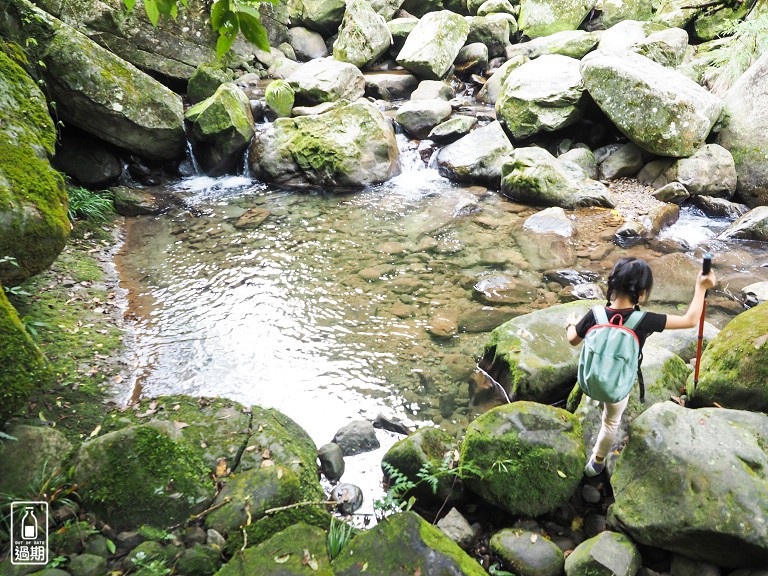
point(219, 11)
point(152, 11)
point(111, 546)
point(129, 4)
point(227, 34)
point(252, 29)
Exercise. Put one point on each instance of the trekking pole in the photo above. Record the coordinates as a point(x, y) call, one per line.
point(706, 266)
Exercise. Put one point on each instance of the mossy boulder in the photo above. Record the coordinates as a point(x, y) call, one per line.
point(533, 176)
point(350, 146)
point(205, 80)
point(33, 202)
point(752, 225)
point(40, 448)
point(25, 368)
point(221, 129)
point(530, 356)
point(607, 553)
point(544, 17)
point(96, 90)
point(615, 11)
point(322, 16)
point(326, 80)
point(432, 46)
point(734, 366)
point(527, 552)
point(657, 108)
point(476, 157)
point(248, 495)
point(531, 456)
point(405, 544)
point(363, 35)
point(572, 43)
point(299, 550)
point(217, 428)
point(429, 448)
point(694, 482)
point(198, 560)
point(142, 475)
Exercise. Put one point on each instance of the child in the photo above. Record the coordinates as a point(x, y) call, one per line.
point(630, 284)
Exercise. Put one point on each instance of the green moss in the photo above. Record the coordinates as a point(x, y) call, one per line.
point(267, 526)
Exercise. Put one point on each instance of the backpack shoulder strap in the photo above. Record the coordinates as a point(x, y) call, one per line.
point(634, 319)
point(600, 316)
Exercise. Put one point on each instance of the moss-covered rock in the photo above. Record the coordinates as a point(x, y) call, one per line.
point(40, 448)
point(222, 127)
point(142, 475)
point(694, 482)
point(205, 80)
point(734, 367)
point(425, 450)
point(299, 550)
point(350, 146)
point(607, 553)
point(363, 35)
point(527, 553)
point(326, 80)
point(544, 17)
point(33, 202)
point(432, 46)
point(199, 560)
point(405, 544)
point(530, 455)
point(25, 369)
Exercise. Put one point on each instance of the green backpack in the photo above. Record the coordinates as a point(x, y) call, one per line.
point(609, 362)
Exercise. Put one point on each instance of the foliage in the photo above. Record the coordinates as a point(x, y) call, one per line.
point(228, 17)
point(89, 205)
point(748, 40)
point(146, 567)
point(339, 535)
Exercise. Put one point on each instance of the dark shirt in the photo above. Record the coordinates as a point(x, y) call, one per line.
point(651, 322)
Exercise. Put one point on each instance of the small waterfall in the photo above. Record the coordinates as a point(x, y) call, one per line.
point(192, 160)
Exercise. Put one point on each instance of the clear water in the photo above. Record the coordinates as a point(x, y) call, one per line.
point(322, 310)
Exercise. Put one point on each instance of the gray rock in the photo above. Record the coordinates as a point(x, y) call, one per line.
point(307, 44)
point(682, 566)
point(331, 461)
point(98, 546)
point(87, 565)
point(528, 552)
point(609, 552)
point(625, 161)
point(326, 80)
point(673, 192)
point(205, 80)
point(710, 171)
point(452, 129)
point(399, 28)
point(667, 47)
point(755, 293)
point(40, 448)
point(617, 11)
point(719, 207)
point(87, 160)
point(323, 16)
point(390, 85)
point(676, 114)
point(493, 87)
point(707, 451)
point(494, 7)
point(145, 552)
point(622, 36)
point(419, 117)
point(544, 94)
point(477, 157)
point(651, 173)
point(472, 58)
point(746, 134)
point(550, 221)
point(751, 226)
point(572, 43)
point(456, 527)
point(357, 437)
point(386, 8)
point(682, 342)
point(584, 159)
point(544, 17)
point(363, 36)
point(491, 31)
point(198, 560)
point(215, 539)
point(348, 498)
point(432, 46)
point(432, 90)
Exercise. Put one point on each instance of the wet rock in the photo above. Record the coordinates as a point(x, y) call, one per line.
point(472, 58)
point(400, 28)
point(528, 552)
point(137, 201)
point(253, 218)
point(751, 226)
point(608, 551)
point(390, 85)
point(683, 342)
point(348, 498)
point(484, 318)
point(432, 90)
point(443, 324)
point(331, 461)
point(215, 539)
point(357, 437)
point(432, 46)
point(87, 565)
point(390, 424)
point(491, 90)
point(456, 527)
point(452, 129)
point(590, 494)
point(542, 95)
point(205, 80)
point(719, 207)
point(307, 44)
point(419, 117)
point(673, 192)
point(550, 221)
point(477, 157)
point(98, 546)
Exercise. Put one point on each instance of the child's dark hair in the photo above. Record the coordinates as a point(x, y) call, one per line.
point(630, 276)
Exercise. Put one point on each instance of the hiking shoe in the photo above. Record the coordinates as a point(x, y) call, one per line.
point(593, 468)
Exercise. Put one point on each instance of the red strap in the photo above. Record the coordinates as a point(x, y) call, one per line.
point(620, 322)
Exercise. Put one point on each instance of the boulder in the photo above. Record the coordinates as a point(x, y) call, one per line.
point(530, 357)
point(667, 47)
point(420, 8)
point(571, 43)
point(142, 475)
point(472, 59)
point(734, 364)
point(675, 115)
point(363, 35)
point(405, 544)
point(527, 552)
point(33, 202)
point(323, 16)
point(682, 343)
point(477, 157)
point(492, 89)
point(326, 80)
point(542, 95)
point(617, 11)
point(419, 117)
point(709, 171)
point(307, 44)
point(41, 449)
point(582, 158)
point(432, 46)
point(751, 226)
point(356, 437)
point(755, 293)
point(746, 132)
point(98, 91)
point(221, 129)
point(544, 17)
point(458, 529)
point(495, 7)
point(386, 8)
point(452, 129)
point(353, 146)
point(492, 32)
point(87, 160)
point(433, 90)
point(625, 161)
point(390, 85)
point(205, 80)
point(399, 28)
point(719, 207)
point(673, 192)
point(532, 457)
point(693, 482)
point(25, 368)
point(607, 553)
point(678, 13)
point(533, 176)
point(622, 36)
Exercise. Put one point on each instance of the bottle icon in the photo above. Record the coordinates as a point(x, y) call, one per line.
point(29, 524)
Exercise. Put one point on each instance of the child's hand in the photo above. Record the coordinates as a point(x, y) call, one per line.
point(573, 318)
point(708, 281)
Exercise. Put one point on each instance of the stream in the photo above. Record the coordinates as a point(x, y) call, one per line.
point(322, 310)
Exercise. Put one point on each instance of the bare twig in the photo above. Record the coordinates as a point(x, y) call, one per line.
point(202, 514)
point(299, 504)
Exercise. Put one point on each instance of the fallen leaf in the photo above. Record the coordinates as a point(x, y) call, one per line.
point(251, 448)
point(221, 468)
point(561, 474)
point(282, 559)
point(266, 454)
point(534, 537)
point(267, 463)
point(365, 567)
point(95, 431)
point(279, 473)
point(41, 416)
point(180, 425)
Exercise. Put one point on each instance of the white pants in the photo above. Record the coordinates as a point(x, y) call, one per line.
point(612, 412)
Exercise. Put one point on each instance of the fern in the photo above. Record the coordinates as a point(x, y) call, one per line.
point(747, 41)
point(88, 205)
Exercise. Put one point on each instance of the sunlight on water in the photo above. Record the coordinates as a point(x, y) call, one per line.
point(694, 228)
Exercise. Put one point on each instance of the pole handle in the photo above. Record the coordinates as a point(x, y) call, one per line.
point(706, 264)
